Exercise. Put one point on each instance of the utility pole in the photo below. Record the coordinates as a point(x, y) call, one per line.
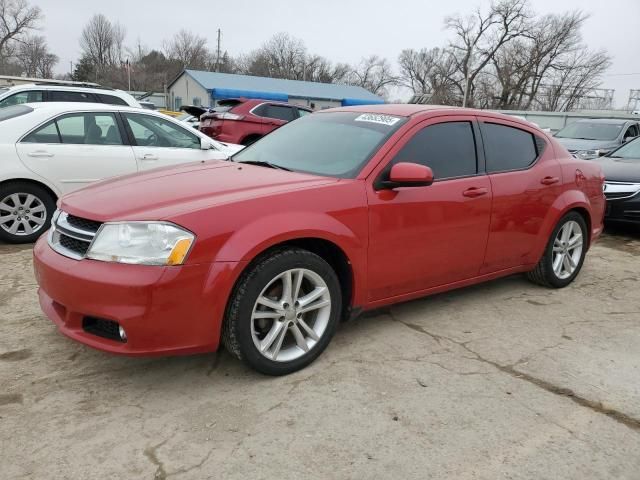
point(218, 52)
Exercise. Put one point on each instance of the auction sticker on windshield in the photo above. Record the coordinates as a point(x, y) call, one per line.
point(377, 118)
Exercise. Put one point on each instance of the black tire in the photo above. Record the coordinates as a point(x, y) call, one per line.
point(543, 273)
point(22, 188)
point(236, 333)
point(251, 139)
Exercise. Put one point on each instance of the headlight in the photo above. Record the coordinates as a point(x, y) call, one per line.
point(589, 154)
point(153, 243)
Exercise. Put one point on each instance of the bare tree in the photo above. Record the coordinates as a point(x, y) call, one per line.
point(189, 49)
point(17, 19)
point(430, 73)
point(481, 35)
point(35, 59)
point(102, 42)
point(373, 73)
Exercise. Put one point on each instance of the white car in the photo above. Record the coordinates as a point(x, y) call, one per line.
point(49, 149)
point(64, 92)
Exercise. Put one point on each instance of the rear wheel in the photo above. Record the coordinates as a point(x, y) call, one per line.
point(283, 312)
point(564, 254)
point(25, 212)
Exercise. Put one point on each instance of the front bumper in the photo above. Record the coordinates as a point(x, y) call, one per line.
point(627, 210)
point(164, 310)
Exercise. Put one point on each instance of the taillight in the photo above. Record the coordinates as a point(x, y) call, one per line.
point(228, 116)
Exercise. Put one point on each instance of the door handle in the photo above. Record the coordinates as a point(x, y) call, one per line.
point(149, 156)
point(475, 192)
point(549, 180)
point(40, 154)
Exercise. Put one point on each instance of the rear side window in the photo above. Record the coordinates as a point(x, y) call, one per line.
point(63, 96)
point(45, 134)
point(111, 99)
point(279, 111)
point(448, 148)
point(507, 148)
point(30, 96)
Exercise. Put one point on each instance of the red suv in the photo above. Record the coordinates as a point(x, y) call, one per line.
point(344, 210)
point(244, 121)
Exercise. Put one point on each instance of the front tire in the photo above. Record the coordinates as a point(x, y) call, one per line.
point(564, 254)
point(283, 312)
point(25, 212)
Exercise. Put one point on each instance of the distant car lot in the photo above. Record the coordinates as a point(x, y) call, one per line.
point(502, 380)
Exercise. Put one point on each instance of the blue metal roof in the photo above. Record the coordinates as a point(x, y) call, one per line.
point(224, 84)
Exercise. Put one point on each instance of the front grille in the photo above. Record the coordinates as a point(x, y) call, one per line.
point(102, 328)
point(71, 236)
point(83, 223)
point(79, 247)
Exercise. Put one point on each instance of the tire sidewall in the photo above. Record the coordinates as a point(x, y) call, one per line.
point(552, 277)
point(260, 276)
point(46, 199)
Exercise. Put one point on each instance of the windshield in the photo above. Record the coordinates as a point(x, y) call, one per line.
point(3, 90)
point(628, 150)
point(591, 131)
point(335, 144)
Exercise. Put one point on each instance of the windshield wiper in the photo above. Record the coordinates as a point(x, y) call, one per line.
point(262, 163)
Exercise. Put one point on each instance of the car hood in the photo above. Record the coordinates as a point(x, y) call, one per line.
point(163, 193)
point(573, 144)
point(620, 169)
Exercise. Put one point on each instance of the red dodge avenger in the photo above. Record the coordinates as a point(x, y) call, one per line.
point(341, 211)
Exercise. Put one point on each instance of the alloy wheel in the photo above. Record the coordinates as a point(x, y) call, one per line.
point(567, 249)
point(22, 214)
point(290, 315)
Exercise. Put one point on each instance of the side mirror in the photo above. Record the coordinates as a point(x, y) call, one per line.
point(205, 144)
point(406, 174)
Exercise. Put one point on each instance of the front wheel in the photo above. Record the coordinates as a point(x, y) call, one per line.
point(25, 212)
point(283, 312)
point(564, 254)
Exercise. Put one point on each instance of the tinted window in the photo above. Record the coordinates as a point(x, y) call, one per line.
point(45, 134)
point(279, 111)
point(111, 99)
point(334, 144)
point(507, 148)
point(62, 96)
point(631, 132)
point(448, 148)
point(152, 131)
point(89, 128)
point(14, 111)
point(22, 97)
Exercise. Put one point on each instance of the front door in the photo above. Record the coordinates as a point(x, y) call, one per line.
point(159, 142)
point(423, 237)
point(76, 149)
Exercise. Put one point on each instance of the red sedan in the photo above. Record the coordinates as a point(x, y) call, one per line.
point(341, 211)
point(243, 121)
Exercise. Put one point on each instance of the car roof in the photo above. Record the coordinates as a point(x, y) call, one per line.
point(612, 121)
point(61, 86)
point(57, 107)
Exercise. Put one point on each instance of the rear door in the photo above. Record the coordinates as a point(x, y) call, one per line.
point(76, 149)
point(158, 142)
point(526, 179)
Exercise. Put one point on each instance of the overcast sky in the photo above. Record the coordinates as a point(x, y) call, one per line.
point(341, 30)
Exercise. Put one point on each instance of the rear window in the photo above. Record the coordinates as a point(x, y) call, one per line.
point(14, 111)
point(507, 148)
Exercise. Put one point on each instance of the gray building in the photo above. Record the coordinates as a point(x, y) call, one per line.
point(193, 87)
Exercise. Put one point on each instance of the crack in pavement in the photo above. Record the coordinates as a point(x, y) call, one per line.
point(620, 417)
point(151, 454)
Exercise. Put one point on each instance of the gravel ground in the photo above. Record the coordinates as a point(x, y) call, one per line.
point(502, 380)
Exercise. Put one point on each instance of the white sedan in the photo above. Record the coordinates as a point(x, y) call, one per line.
point(49, 149)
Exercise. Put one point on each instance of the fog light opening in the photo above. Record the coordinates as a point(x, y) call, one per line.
point(122, 333)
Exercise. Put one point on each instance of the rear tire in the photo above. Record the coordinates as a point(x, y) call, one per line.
point(564, 254)
point(25, 212)
point(276, 329)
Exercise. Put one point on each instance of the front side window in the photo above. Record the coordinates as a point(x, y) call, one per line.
point(631, 132)
point(337, 144)
point(279, 112)
point(21, 97)
point(448, 148)
point(89, 129)
point(152, 131)
point(64, 96)
point(507, 148)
